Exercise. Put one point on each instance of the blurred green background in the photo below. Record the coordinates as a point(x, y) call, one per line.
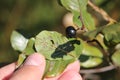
point(32, 16)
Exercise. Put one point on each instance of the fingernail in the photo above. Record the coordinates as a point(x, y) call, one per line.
point(34, 59)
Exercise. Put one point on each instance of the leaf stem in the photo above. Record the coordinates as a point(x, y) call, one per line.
point(102, 12)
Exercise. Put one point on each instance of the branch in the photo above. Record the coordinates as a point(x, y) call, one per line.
point(102, 12)
point(103, 69)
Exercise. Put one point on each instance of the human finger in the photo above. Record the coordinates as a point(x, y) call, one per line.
point(75, 66)
point(70, 75)
point(32, 69)
point(6, 71)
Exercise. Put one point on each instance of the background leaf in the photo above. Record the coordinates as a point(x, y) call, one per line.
point(88, 20)
point(116, 58)
point(111, 34)
point(91, 62)
point(79, 9)
point(76, 19)
point(91, 56)
point(90, 50)
point(18, 41)
point(92, 34)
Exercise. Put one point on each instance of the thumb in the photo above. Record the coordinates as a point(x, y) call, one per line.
point(32, 69)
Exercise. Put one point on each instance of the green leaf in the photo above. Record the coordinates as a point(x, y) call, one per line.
point(56, 67)
point(79, 9)
point(75, 5)
point(46, 43)
point(18, 41)
point(58, 51)
point(88, 20)
point(91, 62)
point(91, 56)
point(111, 34)
point(116, 58)
point(54, 45)
point(78, 44)
point(92, 34)
point(90, 50)
point(76, 19)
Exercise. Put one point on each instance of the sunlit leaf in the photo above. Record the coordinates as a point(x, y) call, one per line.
point(90, 50)
point(91, 56)
point(47, 42)
point(78, 44)
point(74, 5)
point(54, 45)
point(76, 19)
point(88, 20)
point(18, 41)
point(91, 62)
point(116, 58)
point(79, 9)
point(56, 67)
point(58, 51)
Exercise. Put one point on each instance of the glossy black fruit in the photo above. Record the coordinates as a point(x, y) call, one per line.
point(70, 32)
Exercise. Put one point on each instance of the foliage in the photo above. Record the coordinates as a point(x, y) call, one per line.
point(110, 32)
point(79, 9)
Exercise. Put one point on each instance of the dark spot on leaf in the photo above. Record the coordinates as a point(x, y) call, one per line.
point(64, 49)
point(83, 58)
point(52, 41)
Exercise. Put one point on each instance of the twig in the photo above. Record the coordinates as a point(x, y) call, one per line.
point(103, 69)
point(102, 12)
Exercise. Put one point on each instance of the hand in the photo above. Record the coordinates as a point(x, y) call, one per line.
point(33, 69)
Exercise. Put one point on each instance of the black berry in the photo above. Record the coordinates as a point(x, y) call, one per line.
point(70, 32)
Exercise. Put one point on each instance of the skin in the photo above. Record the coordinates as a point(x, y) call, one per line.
point(33, 69)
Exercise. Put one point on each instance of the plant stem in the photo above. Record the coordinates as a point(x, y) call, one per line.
point(99, 70)
point(102, 12)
